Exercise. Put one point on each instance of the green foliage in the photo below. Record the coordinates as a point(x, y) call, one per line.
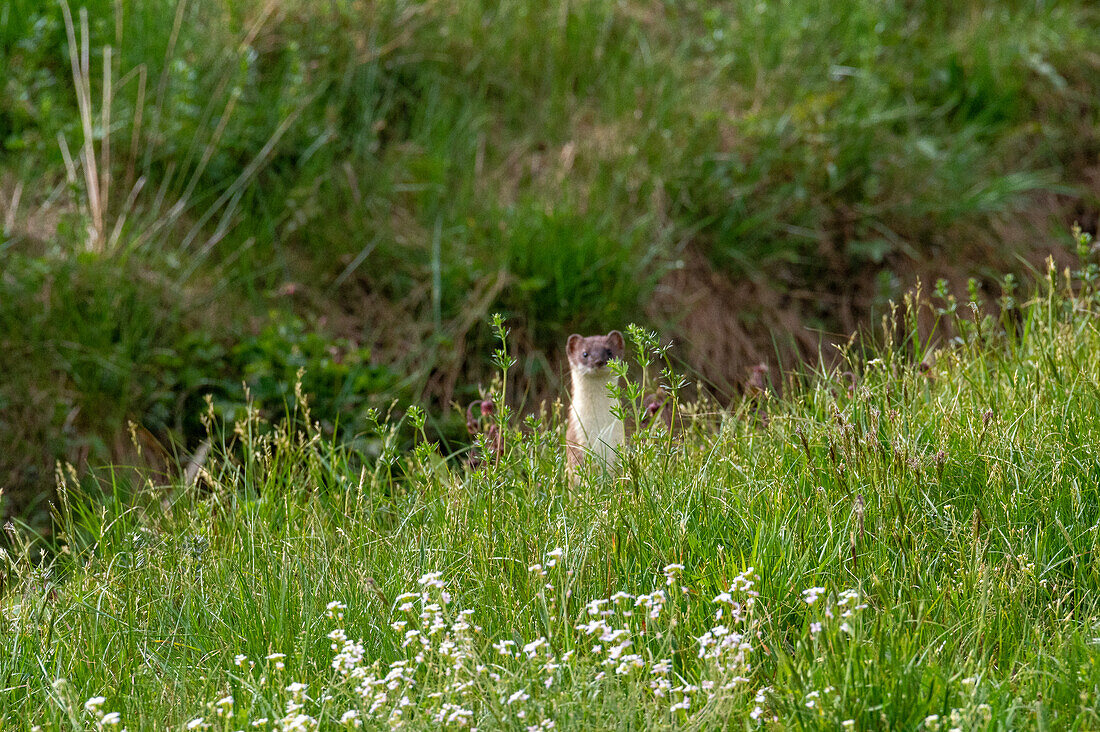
point(909, 550)
point(881, 125)
point(572, 273)
point(82, 336)
point(270, 372)
point(37, 92)
point(431, 163)
point(95, 344)
point(764, 134)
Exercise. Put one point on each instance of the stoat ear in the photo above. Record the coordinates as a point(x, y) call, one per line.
point(573, 343)
point(615, 338)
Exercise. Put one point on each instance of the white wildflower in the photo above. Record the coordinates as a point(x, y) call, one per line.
point(672, 571)
point(431, 579)
point(532, 648)
point(298, 723)
point(811, 594)
point(224, 707)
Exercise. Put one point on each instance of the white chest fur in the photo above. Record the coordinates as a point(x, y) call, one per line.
point(600, 430)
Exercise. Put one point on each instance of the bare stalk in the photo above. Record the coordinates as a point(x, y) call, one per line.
point(80, 58)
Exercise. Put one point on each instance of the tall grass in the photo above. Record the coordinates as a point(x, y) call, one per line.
point(910, 549)
point(93, 269)
point(790, 143)
point(383, 175)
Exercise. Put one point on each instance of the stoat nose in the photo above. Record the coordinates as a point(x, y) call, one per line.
point(604, 358)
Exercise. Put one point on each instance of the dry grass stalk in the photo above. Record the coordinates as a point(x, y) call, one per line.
point(96, 183)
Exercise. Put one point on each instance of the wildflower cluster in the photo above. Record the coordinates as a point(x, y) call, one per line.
point(726, 647)
point(631, 634)
point(451, 676)
point(301, 712)
point(833, 628)
point(439, 645)
point(103, 720)
point(845, 609)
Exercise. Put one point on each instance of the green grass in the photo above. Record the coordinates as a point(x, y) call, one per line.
point(350, 188)
point(956, 502)
point(389, 173)
point(758, 136)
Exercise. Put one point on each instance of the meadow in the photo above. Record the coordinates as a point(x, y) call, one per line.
point(199, 196)
point(905, 545)
point(249, 260)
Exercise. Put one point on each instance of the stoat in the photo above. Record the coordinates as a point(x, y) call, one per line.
point(593, 427)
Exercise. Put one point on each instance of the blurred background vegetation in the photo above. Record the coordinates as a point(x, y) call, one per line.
point(350, 188)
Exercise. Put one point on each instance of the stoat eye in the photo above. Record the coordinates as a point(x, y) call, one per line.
point(585, 354)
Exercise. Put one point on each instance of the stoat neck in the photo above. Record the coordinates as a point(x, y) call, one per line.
point(600, 430)
point(591, 391)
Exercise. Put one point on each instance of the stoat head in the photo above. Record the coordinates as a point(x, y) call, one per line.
point(589, 355)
